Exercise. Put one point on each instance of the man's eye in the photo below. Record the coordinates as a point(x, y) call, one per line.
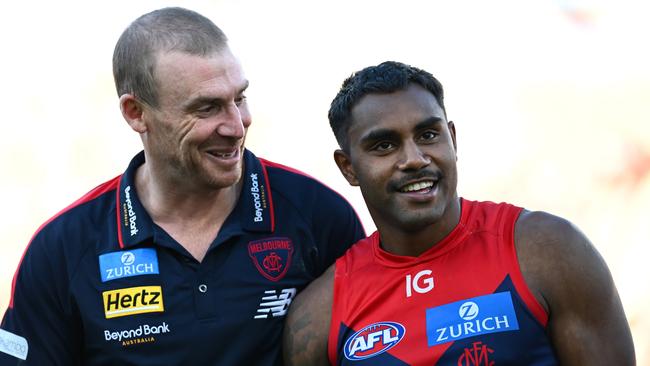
point(428, 135)
point(241, 99)
point(207, 109)
point(383, 146)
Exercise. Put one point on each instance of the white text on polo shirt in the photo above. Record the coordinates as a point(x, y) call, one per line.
point(142, 268)
point(141, 331)
point(128, 210)
point(133, 300)
point(13, 344)
point(127, 271)
point(257, 198)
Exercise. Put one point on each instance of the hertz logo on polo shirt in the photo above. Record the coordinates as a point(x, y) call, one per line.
point(133, 300)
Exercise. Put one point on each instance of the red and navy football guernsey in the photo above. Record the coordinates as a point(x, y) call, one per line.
point(102, 284)
point(463, 302)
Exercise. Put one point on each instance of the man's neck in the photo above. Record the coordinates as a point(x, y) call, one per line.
point(193, 215)
point(412, 243)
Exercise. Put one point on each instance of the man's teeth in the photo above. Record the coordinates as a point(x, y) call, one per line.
point(225, 155)
point(417, 186)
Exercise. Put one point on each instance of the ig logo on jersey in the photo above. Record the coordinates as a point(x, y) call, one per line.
point(373, 340)
point(421, 283)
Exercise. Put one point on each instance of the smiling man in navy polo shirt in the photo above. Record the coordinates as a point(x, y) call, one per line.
point(193, 255)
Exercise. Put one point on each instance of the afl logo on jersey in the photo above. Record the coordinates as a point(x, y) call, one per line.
point(373, 340)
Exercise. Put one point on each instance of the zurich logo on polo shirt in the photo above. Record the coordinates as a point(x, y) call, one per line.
point(471, 317)
point(128, 263)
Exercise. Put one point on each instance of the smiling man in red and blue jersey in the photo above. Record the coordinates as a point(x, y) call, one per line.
point(194, 254)
point(446, 280)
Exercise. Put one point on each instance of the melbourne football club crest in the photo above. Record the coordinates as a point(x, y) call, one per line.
point(271, 256)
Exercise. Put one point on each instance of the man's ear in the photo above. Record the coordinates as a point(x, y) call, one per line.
point(452, 131)
point(132, 111)
point(345, 166)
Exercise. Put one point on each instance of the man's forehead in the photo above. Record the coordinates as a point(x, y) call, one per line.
point(180, 62)
point(218, 74)
point(413, 103)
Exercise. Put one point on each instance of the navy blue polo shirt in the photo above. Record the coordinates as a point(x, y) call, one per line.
point(102, 284)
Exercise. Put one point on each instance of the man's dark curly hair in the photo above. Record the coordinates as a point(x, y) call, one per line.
point(387, 77)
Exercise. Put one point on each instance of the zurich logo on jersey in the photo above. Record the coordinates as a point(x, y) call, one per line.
point(486, 314)
point(129, 263)
point(373, 340)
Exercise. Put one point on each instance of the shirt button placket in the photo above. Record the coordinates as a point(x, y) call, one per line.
point(205, 298)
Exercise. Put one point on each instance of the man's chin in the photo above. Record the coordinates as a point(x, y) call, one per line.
point(220, 180)
point(419, 219)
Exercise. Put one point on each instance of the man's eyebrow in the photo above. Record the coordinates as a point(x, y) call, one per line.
point(200, 101)
point(203, 100)
point(377, 135)
point(244, 87)
point(386, 134)
point(429, 122)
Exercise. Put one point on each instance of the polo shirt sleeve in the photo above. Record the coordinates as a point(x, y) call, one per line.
point(337, 226)
point(41, 310)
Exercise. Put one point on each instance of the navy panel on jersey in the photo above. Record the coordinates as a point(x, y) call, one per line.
point(482, 349)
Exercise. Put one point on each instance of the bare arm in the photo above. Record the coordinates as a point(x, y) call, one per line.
point(308, 323)
point(587, 325)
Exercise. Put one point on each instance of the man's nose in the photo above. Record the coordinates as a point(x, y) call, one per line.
point(232, 124)
point(412, 157)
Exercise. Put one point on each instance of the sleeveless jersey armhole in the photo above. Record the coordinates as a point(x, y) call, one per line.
point(508, 221)
point(335, 323)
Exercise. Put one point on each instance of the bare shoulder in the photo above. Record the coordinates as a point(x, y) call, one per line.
point(307, 324)
point(549, 248)
point(572, 281)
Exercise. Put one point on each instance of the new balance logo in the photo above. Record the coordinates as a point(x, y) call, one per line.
point(275, 305)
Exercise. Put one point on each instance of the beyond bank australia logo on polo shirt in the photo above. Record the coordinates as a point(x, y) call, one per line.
point(471, 317)
point(128, 263)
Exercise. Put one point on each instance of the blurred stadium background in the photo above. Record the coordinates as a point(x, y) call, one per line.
point(551, 100)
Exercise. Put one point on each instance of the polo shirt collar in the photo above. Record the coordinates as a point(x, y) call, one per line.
point(254, 207)
point(134, 225)
point(255, 200)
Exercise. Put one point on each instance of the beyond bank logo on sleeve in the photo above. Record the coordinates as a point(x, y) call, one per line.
point(128, 263)
point(471, 317)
